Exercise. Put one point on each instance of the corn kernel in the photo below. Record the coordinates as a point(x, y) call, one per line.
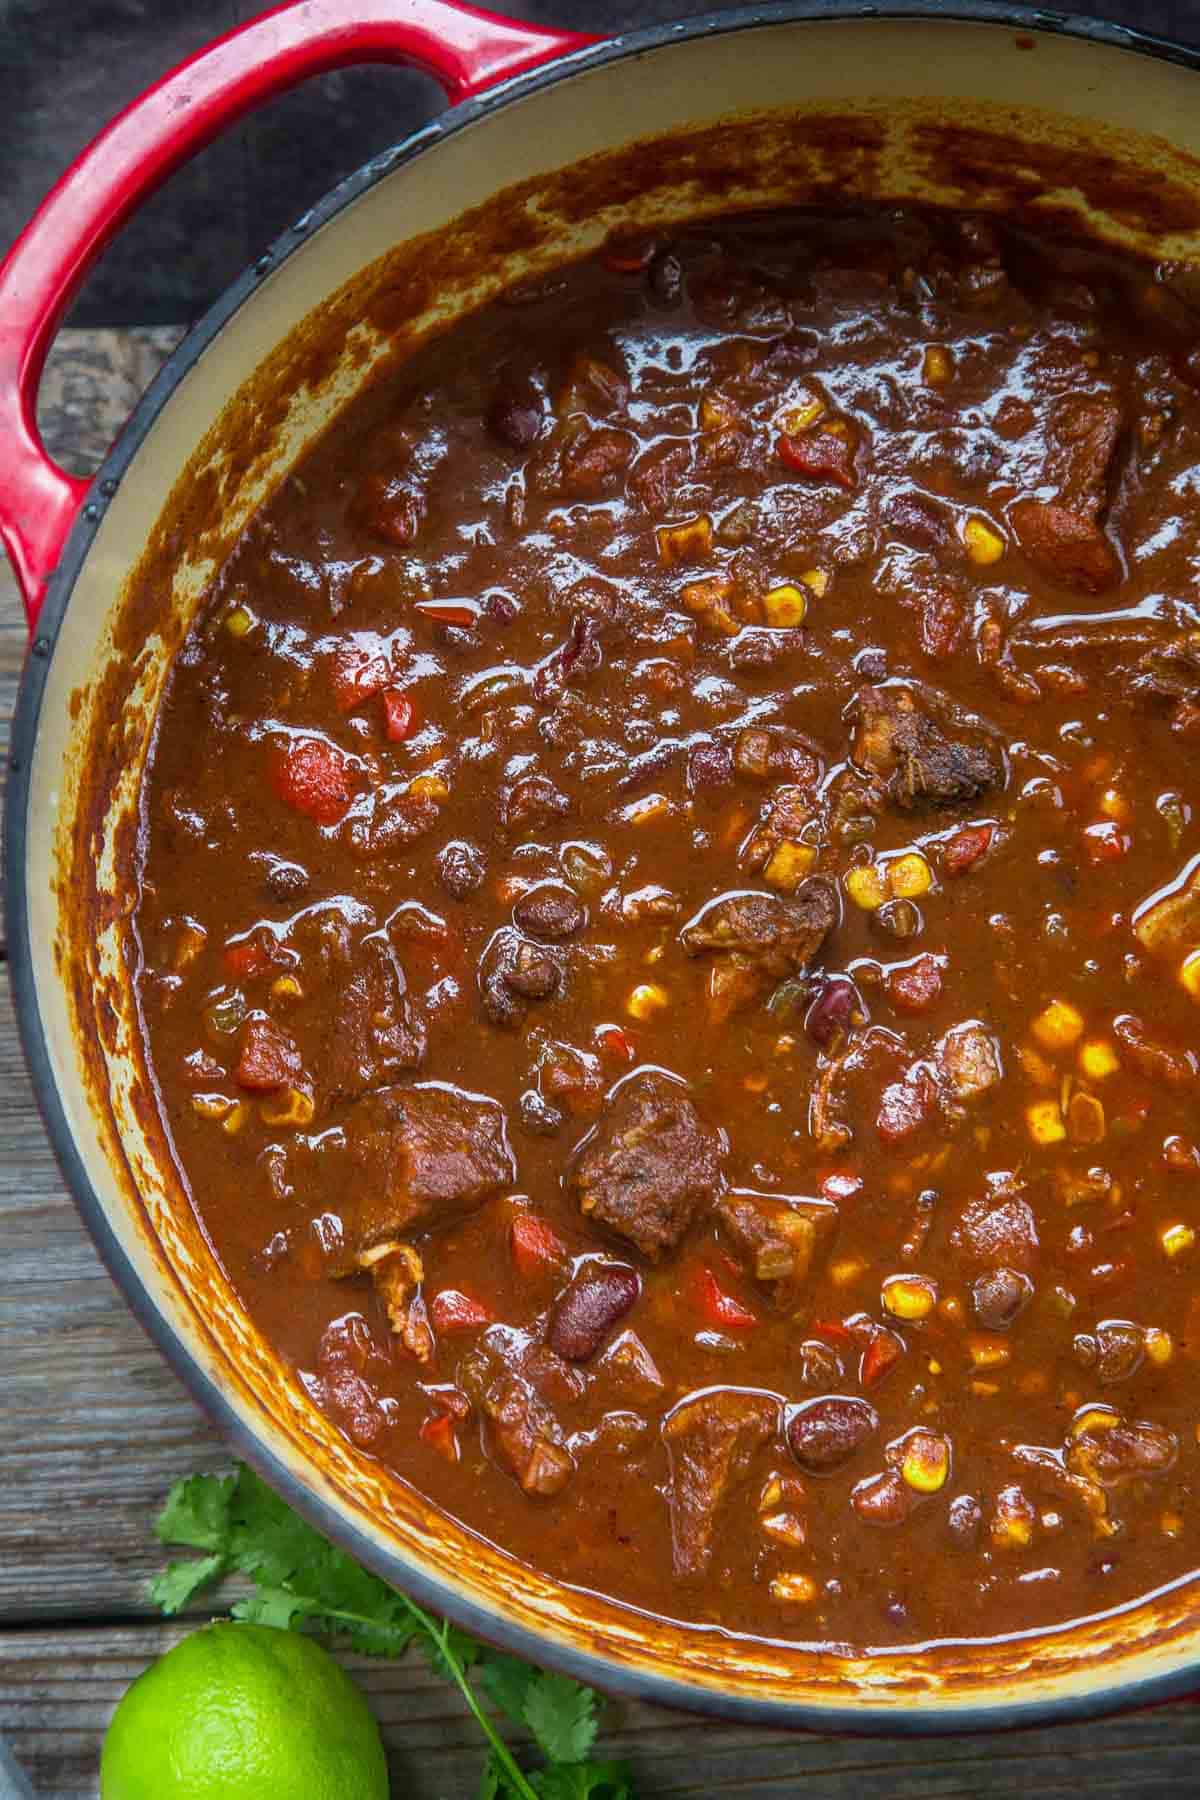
point(1012, 1531)
point(988, 1352)
point(1059, 1026)
point(238, 621)
point(847, 1270)
point(816, 581)
point(934, 1366)
point(1160, 1346)
point(1035, 1066)
point(690, 541)
point(866, 887)
point(789, 864)
point(1176, 1240)
point(286, 987)
point(909, 1297)
point(235, 1118)
point(926, 1464)
point(803, 416)
point(428, 787)
point(1045, 1122)
point(1114, 805)
point(786, 1528)
point(937, 364)
point(710, 601)
point(982, 542)
point(212, 1106)
point(1093, 1419)
point(986, 1390)
point(1189, 974)
point(1098, 1060)
point(646, 810)
point(1172, 1524)
point(646, 1000)
point(794, 1590)
point(293, 1107)
point(909, 876)
point(785, 605)
point(1085, 1119)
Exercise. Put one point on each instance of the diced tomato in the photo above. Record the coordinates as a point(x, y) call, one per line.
point(360, 670)
point(451, 1310)
point(448, 612)
point(819, 456)
point(1105, 842)
point(840, 1188)
point(722, 1310)
point(312, 777)
point(438, 1432)
point(916, 988)
point(399, 715)
point(881, 1354)
point(536, 1246)
point(964, 849)
point(615, 1042)
point(245, 959)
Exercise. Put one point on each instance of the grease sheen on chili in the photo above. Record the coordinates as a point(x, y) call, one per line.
point(670, 925)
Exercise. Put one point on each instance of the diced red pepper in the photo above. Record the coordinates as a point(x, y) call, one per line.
point(245, 959)
point(451, 1310)
point(964, 849)
point(438, 1432)
point(399, 715)
point(916, 988)
point(819, 456)
point(1106, 842)
point(536, 1246)
point(722, 1310)
point(881, 1354)
point(449, 612)
point(359, 671)
point(616, 1043)
point(312, 777)
point(833, 1329)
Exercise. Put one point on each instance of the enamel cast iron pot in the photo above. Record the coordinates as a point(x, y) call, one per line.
point(551, 142)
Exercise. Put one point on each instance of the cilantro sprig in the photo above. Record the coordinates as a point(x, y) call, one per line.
point(301, 1581)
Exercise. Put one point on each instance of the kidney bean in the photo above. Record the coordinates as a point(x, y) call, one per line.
point(823, 1434)
point(550, 910)
point(516, 415)
point(589, 1306)
point(999, 1297)
point(881, 1499)
point(833, 1011)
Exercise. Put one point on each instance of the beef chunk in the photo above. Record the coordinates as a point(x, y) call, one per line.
point(777, 1237)
point(527, 1437)
point(376, 1032)
point(1113, 1455)
point(418, 1157)
point(267, 1057)
point(462, 868)
point(899, 743)
point(998, 1233)
point(398, 1273)
point(1170, 672)
point(778, 934)
point(710, 1441)
point(1084, 429)
point(650, 1167)
point(968, 1062)
point(513, 971)
point(999, 1297)
point(1068, 547)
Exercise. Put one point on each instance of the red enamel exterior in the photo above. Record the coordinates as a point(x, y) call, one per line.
point(465, 50)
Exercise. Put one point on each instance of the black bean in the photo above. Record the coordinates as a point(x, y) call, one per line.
point(823, 1434)
point(589, 1306)
point(461, 867)
point(999, 1297)
point(287, 881)
point(550, 910)
point(516, 416)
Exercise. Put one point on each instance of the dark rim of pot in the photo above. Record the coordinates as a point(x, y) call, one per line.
point(425, 1586)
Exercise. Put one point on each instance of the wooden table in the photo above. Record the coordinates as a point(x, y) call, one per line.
point(94, 1427)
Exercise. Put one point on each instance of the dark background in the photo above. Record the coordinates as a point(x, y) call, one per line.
point(66, 66)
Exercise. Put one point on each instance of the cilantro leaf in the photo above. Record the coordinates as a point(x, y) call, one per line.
point(196, 1513)
point(172, 1590)
point(506, 1681)
point(562, 1717)
point(583, 1781)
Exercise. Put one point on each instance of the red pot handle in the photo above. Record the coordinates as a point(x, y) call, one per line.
point(465, 50)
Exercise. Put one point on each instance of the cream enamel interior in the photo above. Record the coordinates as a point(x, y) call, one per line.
point(899, 73)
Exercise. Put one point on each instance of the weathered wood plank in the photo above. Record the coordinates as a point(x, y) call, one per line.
point(58, 1688)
